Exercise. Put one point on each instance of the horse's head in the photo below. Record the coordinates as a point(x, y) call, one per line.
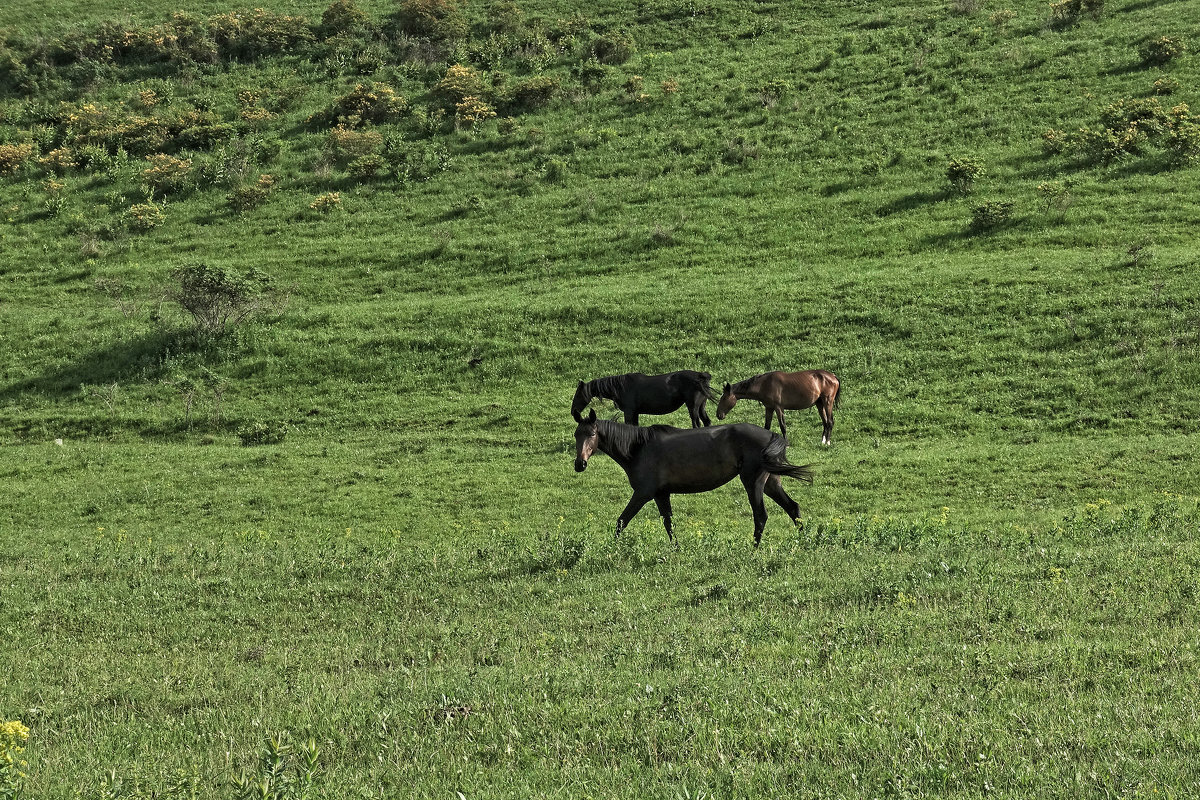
point(727, 402)
point(587, 440)
point(580, 401)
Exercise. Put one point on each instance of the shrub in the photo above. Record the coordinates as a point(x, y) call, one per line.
point(347, 144)
point(1183, 143)
point(472, 111)
point(615, 47)
point(433, 19)
point(1108, 144)
point(249, 196)
point(217, 299)
point(251, 35)
point(1161, 50)
point(1065, 13)
point(367, 166)
point(1056, 197)
point(14, 156)
point(13, 736)
point(530, 93)
point(1165, 86)
point(504, 16)
point(166, 173)
point(990, 215)
point(1055, 141)
point(145, 216)
point(326, 203)
point(260, 432)
point(59, 160)
point(375, 103)
point(1145, 113)
point(458, 83)
point(340, 17)
point(962, 174)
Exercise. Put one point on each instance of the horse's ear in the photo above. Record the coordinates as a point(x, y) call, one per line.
point(575, 413)
point(580, 384)
point(727, 387)
point(591, 417)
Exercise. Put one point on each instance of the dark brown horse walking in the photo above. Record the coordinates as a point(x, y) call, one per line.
point(635, 393)
point(661, 461)
point(780, 390)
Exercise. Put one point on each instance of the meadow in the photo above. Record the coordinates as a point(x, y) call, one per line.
point(334, 546)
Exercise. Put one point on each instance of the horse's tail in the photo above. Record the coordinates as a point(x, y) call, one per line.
point(775, 461)
point(837, 394)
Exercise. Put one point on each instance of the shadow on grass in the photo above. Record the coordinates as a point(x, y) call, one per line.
point(144, 358)
point(912, 201)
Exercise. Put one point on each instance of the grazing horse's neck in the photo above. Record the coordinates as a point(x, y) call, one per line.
point(608, 388)
point(748, 388)
point(621, 442)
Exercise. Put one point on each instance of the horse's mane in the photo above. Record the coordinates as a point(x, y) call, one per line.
point(625, 440)
point(609, 388)
point(749, 383)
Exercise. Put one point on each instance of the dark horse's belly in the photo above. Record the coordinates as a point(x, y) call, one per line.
point(693, 461)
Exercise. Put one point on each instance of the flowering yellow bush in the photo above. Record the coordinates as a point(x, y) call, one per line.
point(144, 216)
point(459, 83)
point(166, 173)
point(472, 110)
point(13, 736)
point(12, 156)
point(59, 160)
point(326, 202)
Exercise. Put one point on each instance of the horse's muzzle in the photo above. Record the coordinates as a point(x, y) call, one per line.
point(580, 465)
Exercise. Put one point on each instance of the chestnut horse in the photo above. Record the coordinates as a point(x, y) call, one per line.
point(780, 390)
point(660, 461)
point(635, 393)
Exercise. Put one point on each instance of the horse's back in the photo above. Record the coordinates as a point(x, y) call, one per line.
point(690, 460)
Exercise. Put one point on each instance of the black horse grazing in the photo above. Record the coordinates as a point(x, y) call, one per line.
point(635, 393)
point(661, 461)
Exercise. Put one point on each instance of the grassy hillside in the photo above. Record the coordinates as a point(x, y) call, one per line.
point(358, 503)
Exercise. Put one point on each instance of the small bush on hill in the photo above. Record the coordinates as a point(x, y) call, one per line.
point(249, 196)
point(1066, 13)
point(459, 83)
point(432, 19)
point(14, 156)
point(376, 103)
point(963, 173)
point(990, 215)
point(217, 299)
point(252, 35)
point(342, 16)
point(1161, 50)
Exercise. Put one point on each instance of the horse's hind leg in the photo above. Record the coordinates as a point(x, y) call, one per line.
point(631, 509)
point(699, 409)
point(664, 508)
point(782, 425)
point(774, 490)
point(825, 409)
point(755, 484)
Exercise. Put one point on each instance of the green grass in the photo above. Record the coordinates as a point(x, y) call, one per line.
point(992, 593)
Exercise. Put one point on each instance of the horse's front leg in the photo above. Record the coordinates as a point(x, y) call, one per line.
point(631, 418)
point(782, 425)
point(631, 509)
point(770, 413)
point(664, 508)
